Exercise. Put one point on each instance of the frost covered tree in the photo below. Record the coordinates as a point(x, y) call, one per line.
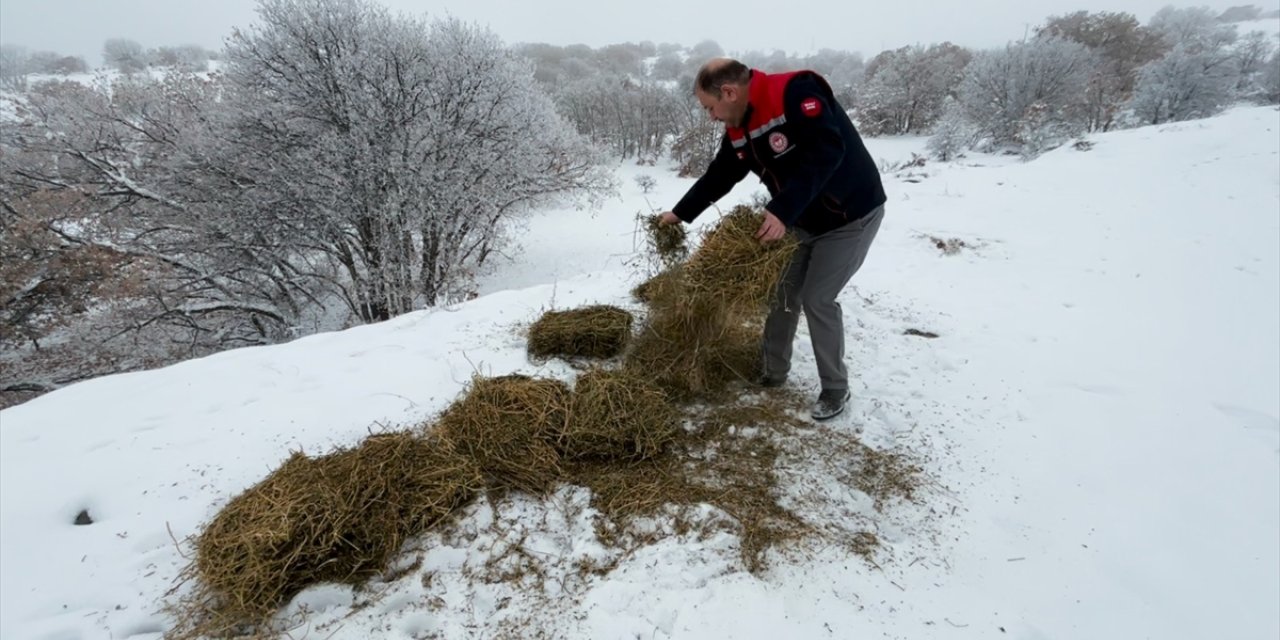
point(905, 88)
point(402, 151)
point(52, 63)
point(627, 116)
point(1197, 78)
point(1029, 95)
point(186, 57)
point(1122, 46)
point(126, 250)
point(1269, 80)
point(704, 51)
point(348, 159)
point(668, 66)
point(844, 70)
point(696, 144)
point(124, 55)
point(1252, 53)
point(1192, 27)
point(143, 153)
point(952, 134)
point(13, 67)
point(1187, 83)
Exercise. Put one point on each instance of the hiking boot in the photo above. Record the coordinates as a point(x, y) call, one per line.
point(830, 403)
point(771, 381)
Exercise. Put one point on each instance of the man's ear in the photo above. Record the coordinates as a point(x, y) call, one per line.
point(729, 92)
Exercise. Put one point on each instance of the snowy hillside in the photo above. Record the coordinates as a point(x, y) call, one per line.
point(1099, 415)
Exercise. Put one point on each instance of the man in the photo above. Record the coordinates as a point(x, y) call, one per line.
point(789, 130)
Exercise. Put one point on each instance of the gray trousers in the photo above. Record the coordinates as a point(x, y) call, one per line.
point(820, 269)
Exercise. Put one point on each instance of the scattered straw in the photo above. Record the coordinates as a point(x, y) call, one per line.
point(885, 475)
point(729, 469)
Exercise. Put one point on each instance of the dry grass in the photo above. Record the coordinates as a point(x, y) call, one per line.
point(690, 358)
point(598, 331)
point(618, 416)
point(336, 518)
point(702, 332)
point(645, 291)
point(733, 269)
point(721, 462)
point(507, 425)
point(885, 475)
point(668, 242)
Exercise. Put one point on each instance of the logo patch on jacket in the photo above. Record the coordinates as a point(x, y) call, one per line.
point(811, 107)
point(777, 142)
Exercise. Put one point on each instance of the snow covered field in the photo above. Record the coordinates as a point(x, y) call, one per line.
point(1100, 415)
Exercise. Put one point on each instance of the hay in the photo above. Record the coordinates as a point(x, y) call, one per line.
point(647, 290)
point(507, 425)
point(689, 357)
point(710, 465)
point(886, 475)
point(733, 268)
point(336, 518)
point(702, 333)
point(618, 416)
point(598, 331)
point(669, 241)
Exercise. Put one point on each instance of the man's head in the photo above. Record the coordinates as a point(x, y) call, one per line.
point(722, 87)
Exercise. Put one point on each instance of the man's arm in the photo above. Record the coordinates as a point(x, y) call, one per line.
point(725, 171)
point(819, 148)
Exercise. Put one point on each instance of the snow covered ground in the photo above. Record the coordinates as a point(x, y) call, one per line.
point(1100, 414)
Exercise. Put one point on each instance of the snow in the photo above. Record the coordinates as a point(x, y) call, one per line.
point(1099, 416)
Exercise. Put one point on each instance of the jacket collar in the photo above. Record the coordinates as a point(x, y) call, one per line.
point(759, 96)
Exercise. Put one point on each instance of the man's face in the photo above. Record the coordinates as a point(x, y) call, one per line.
point(728, 108)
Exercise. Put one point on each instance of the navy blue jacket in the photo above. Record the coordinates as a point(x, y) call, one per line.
point(803, 146)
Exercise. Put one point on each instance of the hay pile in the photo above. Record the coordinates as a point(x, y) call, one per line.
point(695, 353)
point(645, 291)
point(702, 332)
point(733, 269)
point(618, 416)
point(598, 331)
point(507, 426)
point(335, 518)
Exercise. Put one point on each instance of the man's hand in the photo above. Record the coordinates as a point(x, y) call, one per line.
point(666, 217)
point(772, 229)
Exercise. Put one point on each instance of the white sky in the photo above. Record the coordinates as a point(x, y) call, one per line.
point(79, 27)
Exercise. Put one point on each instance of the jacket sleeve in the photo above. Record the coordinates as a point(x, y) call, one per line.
point(819, 146)
point(725, 171)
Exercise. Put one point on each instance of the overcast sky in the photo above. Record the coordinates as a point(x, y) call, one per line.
point(79, 27)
